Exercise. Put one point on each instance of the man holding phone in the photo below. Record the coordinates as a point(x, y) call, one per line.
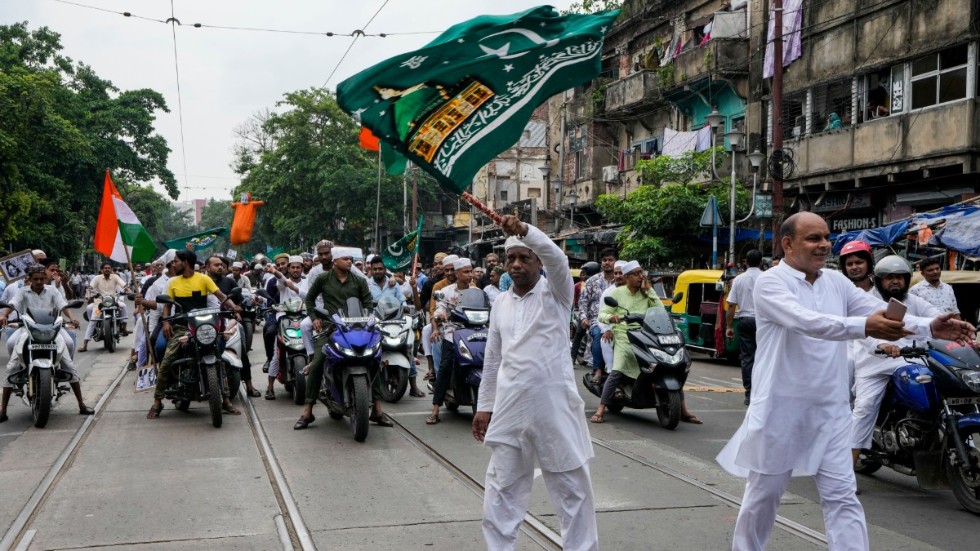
point(872, 371)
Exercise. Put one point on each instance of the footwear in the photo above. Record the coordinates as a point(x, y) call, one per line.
point(304, 422)
point(597, 419)
point(265, 367)
point(131, 366)
point(270, 394)
point(230, 409)
point(85, 410)
point(154, 412)
point(83, 349)
point(382, 420)
point(429, 376)
point(416, 393)
point(693, 419)
point(746, 401)
point(432, 420)
point(254, 393)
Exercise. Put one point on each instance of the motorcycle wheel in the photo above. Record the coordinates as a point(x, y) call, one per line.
point(965, 479)
point(234, 380)
point(249, 328)
point(109, 336)
point(866, 465)
point(41, 404)
point(297, 364)
point(360, 394)
point(669, 412)
point(182, 405)
point(452, 406)
point(394, 384)
point(214, 395)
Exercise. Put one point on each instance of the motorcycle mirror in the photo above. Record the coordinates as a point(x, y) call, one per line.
point(262, 293)
point(73, 304)
point(611, 302)
point(164, 299)
point(678, 296)
point(235, 293)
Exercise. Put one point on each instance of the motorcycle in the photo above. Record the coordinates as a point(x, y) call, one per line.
point(107, 322)
point(292, 352)
point(398, 323)
point(40, 378)
point(664, 366)
point(929, 422)
point(353, 360)
point(472, 317)
point(232, 354)
point(199, 373)
point(250, 315)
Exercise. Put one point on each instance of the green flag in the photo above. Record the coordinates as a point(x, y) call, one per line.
point(455, 104)
point(398, 256)
point(200, 241)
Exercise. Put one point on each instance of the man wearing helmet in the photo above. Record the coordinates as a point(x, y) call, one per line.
point(857, 263)
point(871, 372)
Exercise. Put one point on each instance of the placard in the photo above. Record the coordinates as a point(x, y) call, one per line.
point(14, 266)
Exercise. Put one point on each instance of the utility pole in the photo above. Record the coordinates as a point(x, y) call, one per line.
point(777, 124)
point(415, 191)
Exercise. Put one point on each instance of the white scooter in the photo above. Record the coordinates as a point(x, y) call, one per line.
point(234, 334)
point(398, 323)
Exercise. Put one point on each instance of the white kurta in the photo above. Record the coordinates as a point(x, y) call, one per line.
point(528, 380)
point(800, 394)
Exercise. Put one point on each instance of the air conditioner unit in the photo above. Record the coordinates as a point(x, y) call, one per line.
point(610, 174)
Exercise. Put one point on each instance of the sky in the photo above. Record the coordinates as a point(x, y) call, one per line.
point(227, 75)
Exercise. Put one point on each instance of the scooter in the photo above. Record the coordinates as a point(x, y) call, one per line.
point(397, 322)
point(664, 366)
point(292, 352)
point(472, 318)
point(249, 315)
point(929, 422)
point(353, 360)
point(39, 378)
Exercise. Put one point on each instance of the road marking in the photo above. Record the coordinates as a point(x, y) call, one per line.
point(25, 543)
point(712, 389)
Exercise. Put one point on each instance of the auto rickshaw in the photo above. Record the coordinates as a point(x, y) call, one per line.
point(699, 308)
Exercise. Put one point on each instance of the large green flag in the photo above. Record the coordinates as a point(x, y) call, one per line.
point(398, 256)
point(455, 104)
point(200, 241)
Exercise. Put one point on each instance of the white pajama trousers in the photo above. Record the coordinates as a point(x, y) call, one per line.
point(306, 326)
point(510, 477)
point(842, 512)
point(869, 391)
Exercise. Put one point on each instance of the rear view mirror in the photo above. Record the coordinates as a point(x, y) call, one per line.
point(611, 302)
point(678, 296)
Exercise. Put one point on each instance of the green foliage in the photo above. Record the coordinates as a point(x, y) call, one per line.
point(593, 6)
point(62, 126)
point(665, 75)
point(661, 221)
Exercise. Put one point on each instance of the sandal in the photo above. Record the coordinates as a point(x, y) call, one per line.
point(432, 420)
point(231, 410)
point(270, 394)
point(416, 393)
point(304, 422)
point(693, 419)
point(381, 420)
point(597, 419)
point(252, 392)
point(154, 412)
point(85, 410)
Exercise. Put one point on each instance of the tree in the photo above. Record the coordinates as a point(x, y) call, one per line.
point(216, 214)
point(661, 220)
point(62, 127)
point(593, 6)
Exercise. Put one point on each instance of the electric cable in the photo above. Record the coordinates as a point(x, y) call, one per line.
point(180, 106)
point(357, 34)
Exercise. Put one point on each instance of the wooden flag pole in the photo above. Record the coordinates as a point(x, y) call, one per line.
point(478, 205)
point(142, 311)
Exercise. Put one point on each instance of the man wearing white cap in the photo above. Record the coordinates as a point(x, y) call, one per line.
point(463, 270)
point(237, 275)
point(529, 409)
point(153, 310)
point(292, 284)
point(324, 256)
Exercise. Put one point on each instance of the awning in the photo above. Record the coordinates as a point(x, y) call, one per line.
point(960, 232)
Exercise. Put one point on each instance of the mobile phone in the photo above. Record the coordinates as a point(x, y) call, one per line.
point(896, 310)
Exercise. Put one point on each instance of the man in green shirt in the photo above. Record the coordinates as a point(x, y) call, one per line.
point(335, 287)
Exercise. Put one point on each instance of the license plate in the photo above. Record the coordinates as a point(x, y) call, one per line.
point(51, 346)
point(670, 339)
point(357, 320)
point(962, 401)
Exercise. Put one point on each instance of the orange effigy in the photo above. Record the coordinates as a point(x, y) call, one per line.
point(244, 219)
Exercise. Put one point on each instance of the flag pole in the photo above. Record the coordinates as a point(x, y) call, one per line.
point(377, 211)
point(478, 205)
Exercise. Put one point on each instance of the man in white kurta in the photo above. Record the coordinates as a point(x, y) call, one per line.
point(529, 410)
point(798, 423)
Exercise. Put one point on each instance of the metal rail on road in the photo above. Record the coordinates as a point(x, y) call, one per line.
point(532, 527)
point(18, 530)
point(785, 524)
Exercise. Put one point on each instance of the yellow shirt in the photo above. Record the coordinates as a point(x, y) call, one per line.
point(191, 292)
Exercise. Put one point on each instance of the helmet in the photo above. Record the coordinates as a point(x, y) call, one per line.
point(854, 247)
point(892, 264)
point(590, 269)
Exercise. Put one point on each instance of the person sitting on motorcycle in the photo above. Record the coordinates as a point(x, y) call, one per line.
point(334, 287)
point(872, 371)
point(857, 263)
point(190, 290)
point(292, 284)
point(636, 296)
point(43, 297)
point(238, 277)
point(463, 271)
point(380, 284)
point(110, 284)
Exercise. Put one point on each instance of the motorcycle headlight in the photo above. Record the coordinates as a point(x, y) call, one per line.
point(666, 358)
point(206, 334)
point(971, 379)
point(294, 333)
point(464, 351)
point(43, 335)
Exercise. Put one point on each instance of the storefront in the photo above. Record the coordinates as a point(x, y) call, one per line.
point(847, 211)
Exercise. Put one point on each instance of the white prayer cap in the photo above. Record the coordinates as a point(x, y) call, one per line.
point(449, 260)
point(462, 263)
point(295, 258)
point(630, 267)
point(619, 264)
point(345, 252)
point(39, 254)
point(167, 257)
point(514, 241)
point(237, 265)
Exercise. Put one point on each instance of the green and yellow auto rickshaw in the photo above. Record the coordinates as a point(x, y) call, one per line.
point(699, 308)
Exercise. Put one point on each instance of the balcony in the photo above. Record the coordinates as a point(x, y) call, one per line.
point(725, 57)
point(638, 90)
point(580, 109)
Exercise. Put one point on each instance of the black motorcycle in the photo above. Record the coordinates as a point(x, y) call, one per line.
point(199, 372)
point(107, 317)
point(664, 366)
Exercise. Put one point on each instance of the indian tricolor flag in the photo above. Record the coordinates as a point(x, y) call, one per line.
point(119, 229)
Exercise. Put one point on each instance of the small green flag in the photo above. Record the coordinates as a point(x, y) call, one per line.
point(398, 256)
point(455, 104)
point(200, 241)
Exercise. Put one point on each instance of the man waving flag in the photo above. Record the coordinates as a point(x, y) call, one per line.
point(466, 96)
point(118, 227)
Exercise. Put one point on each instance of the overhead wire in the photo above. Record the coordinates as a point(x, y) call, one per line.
point(357, 34)
point(180, 105)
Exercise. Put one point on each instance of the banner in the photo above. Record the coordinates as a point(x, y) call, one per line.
point(200, 241)
point(399, 254)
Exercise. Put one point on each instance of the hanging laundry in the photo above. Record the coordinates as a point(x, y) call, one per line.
point(677, 143)
point(792, 42)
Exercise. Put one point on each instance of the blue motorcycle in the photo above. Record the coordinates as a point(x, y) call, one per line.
point(353, 361)
point(929, 422)
point(472, 318)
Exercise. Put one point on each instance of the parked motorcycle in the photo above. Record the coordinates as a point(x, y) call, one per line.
point(107, 319)
point(39, 378)
point(472, 318)
point(292, 352)
point(199, 373)
point(398, 322)
point(353, 360)
point(929, 422)
point(664, 366)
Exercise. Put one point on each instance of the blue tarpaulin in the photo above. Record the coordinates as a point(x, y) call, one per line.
point(740, 235)
point(961, 231)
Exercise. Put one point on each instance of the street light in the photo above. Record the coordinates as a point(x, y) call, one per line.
point(556, 187)
point(714, 120)
point(572, 199)
point(734, 138)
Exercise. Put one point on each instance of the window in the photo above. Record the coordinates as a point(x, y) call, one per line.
point(831, 105)
point(794, 114)
point(503, 195)
point(534, 192)
point(579, 164)
point(939, 78)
